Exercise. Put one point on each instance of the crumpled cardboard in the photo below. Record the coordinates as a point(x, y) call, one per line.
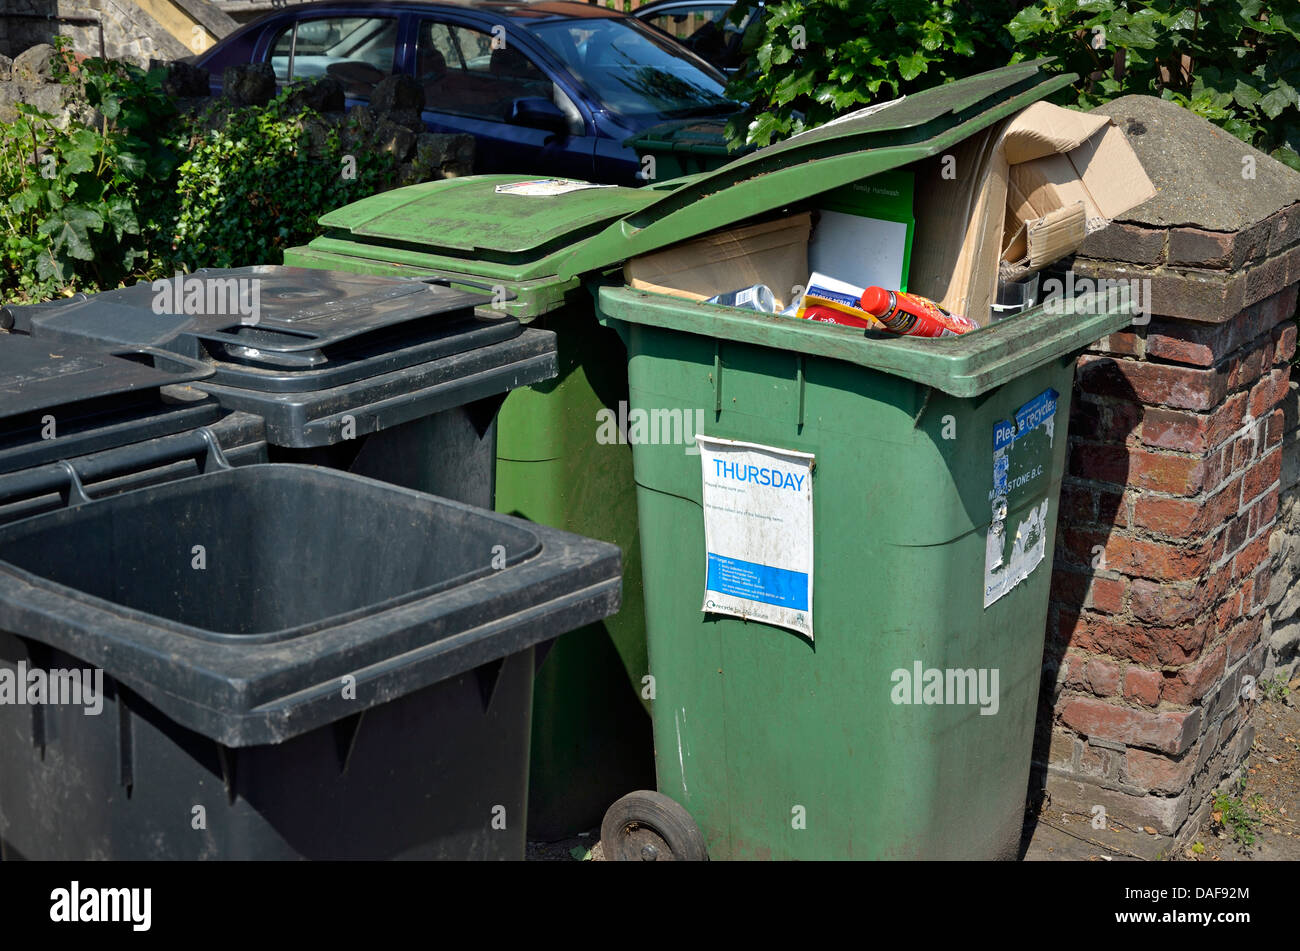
point(1017, 197)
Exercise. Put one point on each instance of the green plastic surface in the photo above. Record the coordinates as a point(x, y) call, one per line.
point(789, 749)
point(542, 250)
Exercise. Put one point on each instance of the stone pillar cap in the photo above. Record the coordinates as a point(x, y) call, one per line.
point(1196, 168)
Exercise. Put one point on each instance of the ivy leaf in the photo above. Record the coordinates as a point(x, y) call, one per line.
point(912, 65)
point(1277, 99)
point(69, 229)
point(1134, 30)
point(1027, 24)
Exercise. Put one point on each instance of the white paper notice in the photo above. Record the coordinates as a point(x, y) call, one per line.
point(545, 187)
point(758, 533)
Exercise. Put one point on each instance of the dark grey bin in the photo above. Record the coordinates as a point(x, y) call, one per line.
point(399, 379)
point(296, 662)
point(347, 677)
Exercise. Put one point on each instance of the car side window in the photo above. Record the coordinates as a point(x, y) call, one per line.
point(684, 22)
point(358, 51)
point(472, 73)
point(705, 29)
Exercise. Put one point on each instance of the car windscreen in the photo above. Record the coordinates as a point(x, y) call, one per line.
point(634, 72)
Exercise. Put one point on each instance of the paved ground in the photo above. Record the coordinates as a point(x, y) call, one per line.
point(1266, 809)
point(582, 848)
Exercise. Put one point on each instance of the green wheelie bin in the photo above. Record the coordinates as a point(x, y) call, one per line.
point(553, 246)
point(683, 147)
point(847, 588)
point(895, 539)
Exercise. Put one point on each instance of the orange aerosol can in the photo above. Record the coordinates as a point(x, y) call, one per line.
point(912, 314)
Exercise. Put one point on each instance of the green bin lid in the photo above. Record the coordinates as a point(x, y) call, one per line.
point(565, 235)
point(695, 136)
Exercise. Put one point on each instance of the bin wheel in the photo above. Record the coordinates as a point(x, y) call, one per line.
point(647, 826)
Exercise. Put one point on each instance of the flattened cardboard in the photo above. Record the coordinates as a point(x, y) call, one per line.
point(774, 253)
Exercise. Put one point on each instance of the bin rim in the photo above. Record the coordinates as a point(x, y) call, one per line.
point(247, 693)
point(964, 366)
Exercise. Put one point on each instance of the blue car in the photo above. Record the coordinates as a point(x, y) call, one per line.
point(550, 88)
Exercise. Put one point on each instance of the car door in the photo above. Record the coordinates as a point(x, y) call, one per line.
point(474, 75)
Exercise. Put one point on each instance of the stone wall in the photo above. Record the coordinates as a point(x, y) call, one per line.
point(115, 29)
point(1165, 556)
point(28, 79)
point(1282, 630)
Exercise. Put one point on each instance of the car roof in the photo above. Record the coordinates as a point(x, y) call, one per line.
point(547, 10)
point(658, 5)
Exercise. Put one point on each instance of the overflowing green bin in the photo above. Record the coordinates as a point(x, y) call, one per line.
point(838, 741)
point(775, 742)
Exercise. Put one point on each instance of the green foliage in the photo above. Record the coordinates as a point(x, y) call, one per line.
point(129, 189)
point(811, 60)
point(1275, 689)
point(1232, 62)
point(257, 184)
point(1236, 815)
point(71, 198)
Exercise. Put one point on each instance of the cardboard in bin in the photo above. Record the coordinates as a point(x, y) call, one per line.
point(774, 253)
point(1024, 194)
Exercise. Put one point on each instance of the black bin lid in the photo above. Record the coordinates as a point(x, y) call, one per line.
point(282, 329)
point(59, 401)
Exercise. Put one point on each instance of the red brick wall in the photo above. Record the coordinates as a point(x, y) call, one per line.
point(1162, 563)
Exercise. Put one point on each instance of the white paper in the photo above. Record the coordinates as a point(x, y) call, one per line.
point(545, 187)
point(858, 250)
point(1003, 569)
point(758, 533)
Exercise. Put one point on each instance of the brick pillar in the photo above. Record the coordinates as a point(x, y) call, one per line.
point(1171, 494)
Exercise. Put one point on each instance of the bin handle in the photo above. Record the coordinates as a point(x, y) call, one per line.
point(162, 357)
point(67, 477)
point(492, 289)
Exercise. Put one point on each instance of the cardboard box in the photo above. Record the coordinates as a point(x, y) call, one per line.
point(1025, 193)
point(864, 232)
point(774, 253)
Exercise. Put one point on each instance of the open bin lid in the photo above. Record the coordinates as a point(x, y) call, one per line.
point(60, 401)
point(521, 236)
